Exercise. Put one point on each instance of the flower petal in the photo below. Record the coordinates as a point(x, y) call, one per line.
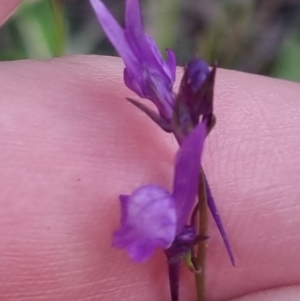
point(148, 221)
point(167, 71)
point(196, 90)
point(197, 73)
point(114, 32)
point(205, 95)
point(146, 72)
point(136, 35)
point(133, 18)
point(143, 46)
point(150, 85)
point(133, 82)
point(186, 177)
point(171, 61)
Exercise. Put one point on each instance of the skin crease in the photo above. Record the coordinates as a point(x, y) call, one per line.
point(70, 143)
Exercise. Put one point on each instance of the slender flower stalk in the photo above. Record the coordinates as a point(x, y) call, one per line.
point(203, 228)
point(174, 280)
point(152, 217)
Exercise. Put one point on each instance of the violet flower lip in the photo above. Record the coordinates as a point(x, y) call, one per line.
point(151, 217)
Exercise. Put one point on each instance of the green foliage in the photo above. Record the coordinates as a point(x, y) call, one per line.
point(35, 31)
point(238, 34)
point(287, 65)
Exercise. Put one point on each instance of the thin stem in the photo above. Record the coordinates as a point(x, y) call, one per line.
point(58, 14)
point(203, 227)
point(194, 217)
point(174, 280)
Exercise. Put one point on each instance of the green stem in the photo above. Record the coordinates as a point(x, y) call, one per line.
point(58, 13)
point(174, 280)
point(203, 227)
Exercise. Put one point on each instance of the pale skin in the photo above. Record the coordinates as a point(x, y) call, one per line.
point(70, 143)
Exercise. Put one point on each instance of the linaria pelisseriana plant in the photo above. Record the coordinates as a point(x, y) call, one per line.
point(151, 216)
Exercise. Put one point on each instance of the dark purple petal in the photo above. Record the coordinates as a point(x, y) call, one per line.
point(148, 221)
point(186, 177)
point(197, 71)
point(196, 90)
point(214, 211)
point(204, 96)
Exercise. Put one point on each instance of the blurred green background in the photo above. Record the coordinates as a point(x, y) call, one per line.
point(257, 36)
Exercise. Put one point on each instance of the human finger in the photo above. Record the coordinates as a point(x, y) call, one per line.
point(71, 144)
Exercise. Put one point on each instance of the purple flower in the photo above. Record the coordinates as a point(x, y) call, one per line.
point(146, 73)
point(153, 218)
point(195, 97)
point(197, 87)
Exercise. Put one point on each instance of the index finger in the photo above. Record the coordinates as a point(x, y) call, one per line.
point(70, 144)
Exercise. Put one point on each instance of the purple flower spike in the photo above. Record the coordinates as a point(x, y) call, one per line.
point(148, 221)
point(146, 73)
